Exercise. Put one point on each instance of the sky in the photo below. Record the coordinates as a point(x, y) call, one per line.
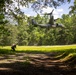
point(58, 12)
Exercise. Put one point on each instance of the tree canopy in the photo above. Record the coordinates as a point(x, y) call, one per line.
point(24, 33)
point(73, 8)
point(12, 7)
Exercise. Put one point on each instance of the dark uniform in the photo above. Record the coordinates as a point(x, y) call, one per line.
point(13, 47)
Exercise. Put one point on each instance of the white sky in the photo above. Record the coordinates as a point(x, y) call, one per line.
point(57, 12)
point(63, 9)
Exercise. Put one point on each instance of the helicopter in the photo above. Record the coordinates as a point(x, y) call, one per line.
point(50, 24)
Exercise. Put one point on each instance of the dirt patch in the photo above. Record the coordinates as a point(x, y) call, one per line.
point(34, 64)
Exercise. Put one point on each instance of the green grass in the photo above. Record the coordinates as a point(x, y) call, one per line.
point(40, 49)
point(65, 53)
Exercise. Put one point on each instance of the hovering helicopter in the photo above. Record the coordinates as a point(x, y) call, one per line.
point(50, 24)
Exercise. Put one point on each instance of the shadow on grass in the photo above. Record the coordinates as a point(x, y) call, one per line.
point(6, 51)
point(26, 68)
point(20, 68)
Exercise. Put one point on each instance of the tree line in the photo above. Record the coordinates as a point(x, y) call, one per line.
point(15, 27)
point(25, 33)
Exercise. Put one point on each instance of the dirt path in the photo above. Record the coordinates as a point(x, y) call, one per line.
point(33, 64)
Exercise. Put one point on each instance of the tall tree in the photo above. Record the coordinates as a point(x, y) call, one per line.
point(73, 8)
point(13, 7)
point(39, 4)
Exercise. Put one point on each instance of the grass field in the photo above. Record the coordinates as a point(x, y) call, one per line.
point(62, 51)
point(58, 48)
point(58, 60)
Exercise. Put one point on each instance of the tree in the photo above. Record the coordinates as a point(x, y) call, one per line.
point(73, 8)
point(39, 4)
point(27, 34)
point(67, 35)
point(13, 7)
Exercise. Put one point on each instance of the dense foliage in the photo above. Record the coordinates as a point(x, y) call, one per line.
point(26, 34)
point(22, 31)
